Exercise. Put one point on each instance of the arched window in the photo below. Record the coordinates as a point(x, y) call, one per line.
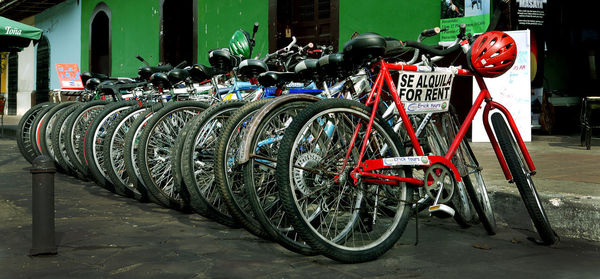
point(179, 35)
point(100, 40)
point(42, 84)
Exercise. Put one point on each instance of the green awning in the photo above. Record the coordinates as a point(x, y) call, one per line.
point(14, 36)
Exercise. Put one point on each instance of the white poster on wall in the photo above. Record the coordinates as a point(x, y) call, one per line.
point(512, 90)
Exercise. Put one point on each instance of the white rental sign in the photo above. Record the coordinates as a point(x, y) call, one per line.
point(512, 90)
point(425, 92)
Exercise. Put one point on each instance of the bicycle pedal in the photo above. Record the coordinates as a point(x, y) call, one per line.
point(441, 211)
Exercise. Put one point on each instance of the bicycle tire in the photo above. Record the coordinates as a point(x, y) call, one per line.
point(228, 173)
point(24, 131)
point(362, 235)
point(459, 201)
point(198, 162)
point(259, 180)
point(58, 138)
point(38, 122)
point(522, 179)
point(77, 125)
point(130, 159)
point(178, 181)
point(47, 128)
point(470, 170)
point(154, 151)
point(114, 152)
point(93, 140)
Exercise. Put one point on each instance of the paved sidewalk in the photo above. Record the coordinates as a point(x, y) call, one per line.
point(567, 180)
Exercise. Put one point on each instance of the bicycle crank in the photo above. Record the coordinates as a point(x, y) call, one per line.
point(439, 185)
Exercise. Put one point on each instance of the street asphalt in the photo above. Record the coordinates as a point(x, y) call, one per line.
point(100, 234)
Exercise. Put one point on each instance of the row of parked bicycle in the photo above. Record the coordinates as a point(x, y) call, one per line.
point(211, 139)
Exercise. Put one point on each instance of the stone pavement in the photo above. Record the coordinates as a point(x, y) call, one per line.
point(101, 235)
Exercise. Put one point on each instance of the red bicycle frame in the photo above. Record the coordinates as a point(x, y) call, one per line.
point(364, 169)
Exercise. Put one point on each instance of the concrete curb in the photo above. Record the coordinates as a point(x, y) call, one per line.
point(9, 131)
point(9, 126)
point(570, 216)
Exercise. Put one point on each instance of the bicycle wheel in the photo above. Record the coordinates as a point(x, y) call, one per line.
point(522, 178)
point(344, 221)
point(38, 122)
point(434, 141)
point(59, 139)
point(438, 140)
point(178, 181)
point(47, 127)
point(198, 162)
point(228, 173)
point(77, 126)
point(130, 158)
point(155, 154)
point(94, 138)
point(259, 176)
point(24, 131)
point(114, 153)
point(464, 159)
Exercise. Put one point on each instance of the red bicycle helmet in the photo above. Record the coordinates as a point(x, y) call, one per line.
point(492, 54)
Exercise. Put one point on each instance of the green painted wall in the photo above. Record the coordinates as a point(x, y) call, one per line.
point(135, 27)
point(403, 19)
point(217, 20)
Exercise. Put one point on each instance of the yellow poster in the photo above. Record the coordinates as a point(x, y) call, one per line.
point(3, 63)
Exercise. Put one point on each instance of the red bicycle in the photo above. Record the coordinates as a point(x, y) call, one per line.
point(344, 174)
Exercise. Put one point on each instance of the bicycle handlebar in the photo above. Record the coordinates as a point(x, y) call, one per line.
point(254, 30)
point(252, 41)
point(163, 68)
point(462, 29)
point(289, 47)
point(432, 50)
point(280, 51)
point(142, 59)
point(391, 44)
point(181, 65)
point(432, 31)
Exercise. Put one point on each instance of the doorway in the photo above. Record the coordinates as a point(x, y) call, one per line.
point(178, 36)
point(13, 82)
point(315, 21)
point(100, 40)
point(42, 83)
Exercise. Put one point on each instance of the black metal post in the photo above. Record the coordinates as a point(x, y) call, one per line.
point(42, 180)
